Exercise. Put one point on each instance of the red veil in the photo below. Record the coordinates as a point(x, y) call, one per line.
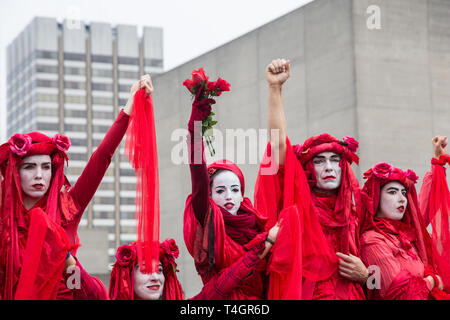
point(140, 147)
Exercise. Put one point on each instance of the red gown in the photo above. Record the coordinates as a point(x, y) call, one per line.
point(400, 268)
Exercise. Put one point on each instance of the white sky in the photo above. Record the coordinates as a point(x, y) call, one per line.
point(190, 27)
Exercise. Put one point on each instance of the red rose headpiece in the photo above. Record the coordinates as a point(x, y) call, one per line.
point(326, 142)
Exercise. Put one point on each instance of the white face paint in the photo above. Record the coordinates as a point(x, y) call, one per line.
point(393, 201)
point(327, 170)
point(226, 191)
point(35, 176)
point(148, 286)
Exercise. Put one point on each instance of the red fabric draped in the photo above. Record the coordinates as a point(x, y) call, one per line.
point(435, 206)
point(301, 250)
point(140, 147)
point(43, 258)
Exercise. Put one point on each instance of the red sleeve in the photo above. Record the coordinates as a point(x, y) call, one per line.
point(87, 288)
point(199, 176)
point(89, 180)
point(223, 283)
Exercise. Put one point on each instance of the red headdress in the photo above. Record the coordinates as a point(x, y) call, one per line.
point(412, 225)
point(23, 232)
point(121, 285)
point(349, 191)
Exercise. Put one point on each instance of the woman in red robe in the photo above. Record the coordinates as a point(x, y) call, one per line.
point(39, 219)
point(316, 180)
point(129, 283)
point(220, 223)
point(394, 241)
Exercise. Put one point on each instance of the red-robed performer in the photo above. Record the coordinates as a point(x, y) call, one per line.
point(220, 223)
point(39, 218)
point(394, 240)
point(316, 188)
point(128, 282)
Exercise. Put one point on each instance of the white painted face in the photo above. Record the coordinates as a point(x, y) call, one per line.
point(148, 286)
point(327, 170)
point(226, 191)
point(35, 177)
point(393, 201)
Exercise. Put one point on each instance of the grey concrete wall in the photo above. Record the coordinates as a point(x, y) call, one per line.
point(402, 81)
point(388, 88)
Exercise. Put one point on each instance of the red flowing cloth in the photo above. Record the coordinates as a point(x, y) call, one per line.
point(46, 242)
point(140, 147)
point(301, 256)
point(435, 207)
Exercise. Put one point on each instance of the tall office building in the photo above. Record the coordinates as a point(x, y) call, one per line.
point(73, 78)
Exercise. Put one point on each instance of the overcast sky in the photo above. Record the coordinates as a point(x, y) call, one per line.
point(212, 22)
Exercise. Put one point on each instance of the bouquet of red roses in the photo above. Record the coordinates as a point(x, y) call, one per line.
point(199, 83)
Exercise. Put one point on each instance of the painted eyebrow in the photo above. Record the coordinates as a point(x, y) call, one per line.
point(234, 185)
point(395, 189)
point(36, 163)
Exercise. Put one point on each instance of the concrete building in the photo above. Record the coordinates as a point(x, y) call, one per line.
point(73, 78)
point(389, 87)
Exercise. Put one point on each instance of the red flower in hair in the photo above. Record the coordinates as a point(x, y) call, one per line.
point(169, 252)
point(211, 171)
point(382, 170)
point(126, 255)
point(20, 144)
point(411, 175)
point(352, 144)
point(61, 142)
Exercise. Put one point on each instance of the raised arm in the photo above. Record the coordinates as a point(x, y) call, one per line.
point(201, 109)
point(277, 72)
